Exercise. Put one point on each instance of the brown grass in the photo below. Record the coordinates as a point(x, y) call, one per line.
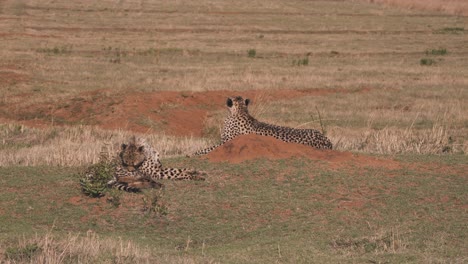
point(76, 248)
point(66, 49)
point(80, 145)
point(396, 141)
point(453, 7)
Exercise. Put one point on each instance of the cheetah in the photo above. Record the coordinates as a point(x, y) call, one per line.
point(140, 165)
point(240, 122)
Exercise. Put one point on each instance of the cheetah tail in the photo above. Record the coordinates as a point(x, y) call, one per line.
point(125, 187)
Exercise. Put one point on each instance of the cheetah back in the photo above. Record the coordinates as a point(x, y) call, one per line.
point(240, 122)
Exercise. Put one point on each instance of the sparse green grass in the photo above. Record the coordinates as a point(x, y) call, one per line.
point(251, 53)
point(301, 62)
point(427, 61)
point(453, 29)
point(66, 49)
point(153, 203)
point(440, 51)
point(261, 211)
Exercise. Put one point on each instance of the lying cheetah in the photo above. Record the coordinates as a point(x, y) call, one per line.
point(140, 165)
point(240, 122)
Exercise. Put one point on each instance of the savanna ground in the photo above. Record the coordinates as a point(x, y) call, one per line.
point(388, 84)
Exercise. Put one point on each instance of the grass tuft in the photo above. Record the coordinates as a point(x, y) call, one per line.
point(441, 51)
point(152, 203)
point(385, 242)
point(58, 50)
point(24, 253)
point(301, 62)
point(75, 249)
point(94, 179)
point(426, 62)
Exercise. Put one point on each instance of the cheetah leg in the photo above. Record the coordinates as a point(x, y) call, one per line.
point(134, 186)
point(179, 174)
point(206, 150)
point(145, 184)
point(131, 181)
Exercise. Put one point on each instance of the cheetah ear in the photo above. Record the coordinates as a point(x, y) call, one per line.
point(229, 102)
point(141, 148)
point(124, 146)
point(247, 102)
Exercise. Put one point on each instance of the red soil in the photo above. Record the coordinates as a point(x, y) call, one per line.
point(175, 113)
point(250, 147)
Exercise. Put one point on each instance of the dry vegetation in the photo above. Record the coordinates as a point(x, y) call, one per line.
point(398, 72)
point(76, 248)
point(76, 146)
point(454, 7)
point(55, 54)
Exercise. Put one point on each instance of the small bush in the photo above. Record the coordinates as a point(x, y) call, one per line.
point(252, 53)
point(426, 62)
point(440, 51)
point(301, 62)
point(94, 179)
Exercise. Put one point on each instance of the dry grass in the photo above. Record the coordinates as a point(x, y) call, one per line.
point(51, 52)
point(396, 141)
point(383, 241)
point(75, 146)
point(76, 248)
point(454, 7)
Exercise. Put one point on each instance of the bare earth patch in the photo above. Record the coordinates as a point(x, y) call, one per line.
point(175, 113)
point(250, 147)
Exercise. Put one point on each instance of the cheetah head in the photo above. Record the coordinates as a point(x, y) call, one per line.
point(237, 105)
point(132, 156)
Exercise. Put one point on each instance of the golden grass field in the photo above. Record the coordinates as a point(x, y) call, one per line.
point(386, 78)
point(454, 7)
point(56, 55)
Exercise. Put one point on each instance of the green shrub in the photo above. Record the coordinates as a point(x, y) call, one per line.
point(441, 51)
point(301, 62)
point(426, 62)
point(94, 179)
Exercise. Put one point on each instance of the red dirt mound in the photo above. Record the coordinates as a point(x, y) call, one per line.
point(250, 147)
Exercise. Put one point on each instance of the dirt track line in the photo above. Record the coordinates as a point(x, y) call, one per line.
point(249, 31)
point(269, 55)
point(256, 13)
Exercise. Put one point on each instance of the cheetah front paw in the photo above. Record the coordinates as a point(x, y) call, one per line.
point(196, 175)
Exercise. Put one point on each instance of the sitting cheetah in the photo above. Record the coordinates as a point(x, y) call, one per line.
point(140, 164)
point(240, 122)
